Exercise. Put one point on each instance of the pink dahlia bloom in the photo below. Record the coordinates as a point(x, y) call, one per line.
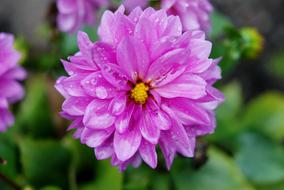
point(143, 85)
point(10, 90)
point(131, 4)
point(73, 14)
point(194, 14)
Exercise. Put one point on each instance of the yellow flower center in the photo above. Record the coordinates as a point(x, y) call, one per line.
point(140, 93)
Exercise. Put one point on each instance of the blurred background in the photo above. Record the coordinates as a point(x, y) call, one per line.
point(246, 152)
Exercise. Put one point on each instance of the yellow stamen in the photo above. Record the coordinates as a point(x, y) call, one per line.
point(140, 93)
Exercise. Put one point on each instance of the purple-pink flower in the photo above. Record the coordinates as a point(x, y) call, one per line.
point(131, 4)
point(194, 14)
point(143, 85)
point(73, 14)
point(10, 73)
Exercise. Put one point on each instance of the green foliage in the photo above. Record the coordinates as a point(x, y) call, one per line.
point(276, 66)
point(45, 162)
point(260, 160)
point(34, 116)
point(245, 152)
point(265, 114)
point(219, 173)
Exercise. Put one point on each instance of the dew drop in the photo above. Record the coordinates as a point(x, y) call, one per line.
point(101, 92)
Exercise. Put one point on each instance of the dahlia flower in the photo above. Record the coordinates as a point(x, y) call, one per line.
point(143, 85)
point(131, 4)
point(194, 14)
point(73, 14)
point(10, 90)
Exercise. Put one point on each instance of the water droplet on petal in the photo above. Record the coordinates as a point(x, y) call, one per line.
point(101, 92)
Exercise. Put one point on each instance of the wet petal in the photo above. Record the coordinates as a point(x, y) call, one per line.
point(133, 58)
point(97, 115)
point(122, 122)
point(187, 86)
point(148, 129)
point(118, 104)
point(127, 143)
point(103, 53)
point(148, 153)
point(104, 151)
point(95, 85)
point(189, 112)
point(95, 138)
point(76, 106)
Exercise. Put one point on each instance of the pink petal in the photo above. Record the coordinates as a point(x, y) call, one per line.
point(72, 68)
point(133, 58)
point(171, 61)
point(135, 14)
point(145, 31)
point(177, 131)
point(148, 129)
point(11, 90)
point(95, 85)
point(187, 86)
point(97, 115)
point(168, 150)
point(76, 106)
point(189, 112)
point(17, 73)
point(113, 74)
point(200, 48)
point(148, 153)
point(72, 85)
point(174, 27)
point(85, 44)
point(104, 151)
point(126, 144)
point(103, 53)
point(66, 6)
point(122, 122)
point(118, 104)
point(95, 138)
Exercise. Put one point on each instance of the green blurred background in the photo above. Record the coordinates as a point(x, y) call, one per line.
point(245, 153)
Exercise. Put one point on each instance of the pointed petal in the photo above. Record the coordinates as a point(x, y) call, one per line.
point(95, 85)
point(148, 153)
point(97, 115)
point(187, 86)
point(76, 106)
point(104, 151)
point(189, 112)
point(127, 144)
point(95, 138)
point(122, 122)
point(133, 58)
point(118, 104)
point(148, 129)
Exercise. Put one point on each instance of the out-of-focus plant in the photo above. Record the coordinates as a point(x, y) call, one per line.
point(244, 153)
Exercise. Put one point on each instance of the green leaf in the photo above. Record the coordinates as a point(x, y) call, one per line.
point(227, 114)
point(219, 173)
point(266, 115)
point(83, 162)
point(108, 177)
point(138, 179)
point(261, 160)
point(276, 186)
point(219, 23)
point(276, 66)
point(8, 154)
point(161, 182)
point(34, 117)
point(45, 162)
point(50, 188)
